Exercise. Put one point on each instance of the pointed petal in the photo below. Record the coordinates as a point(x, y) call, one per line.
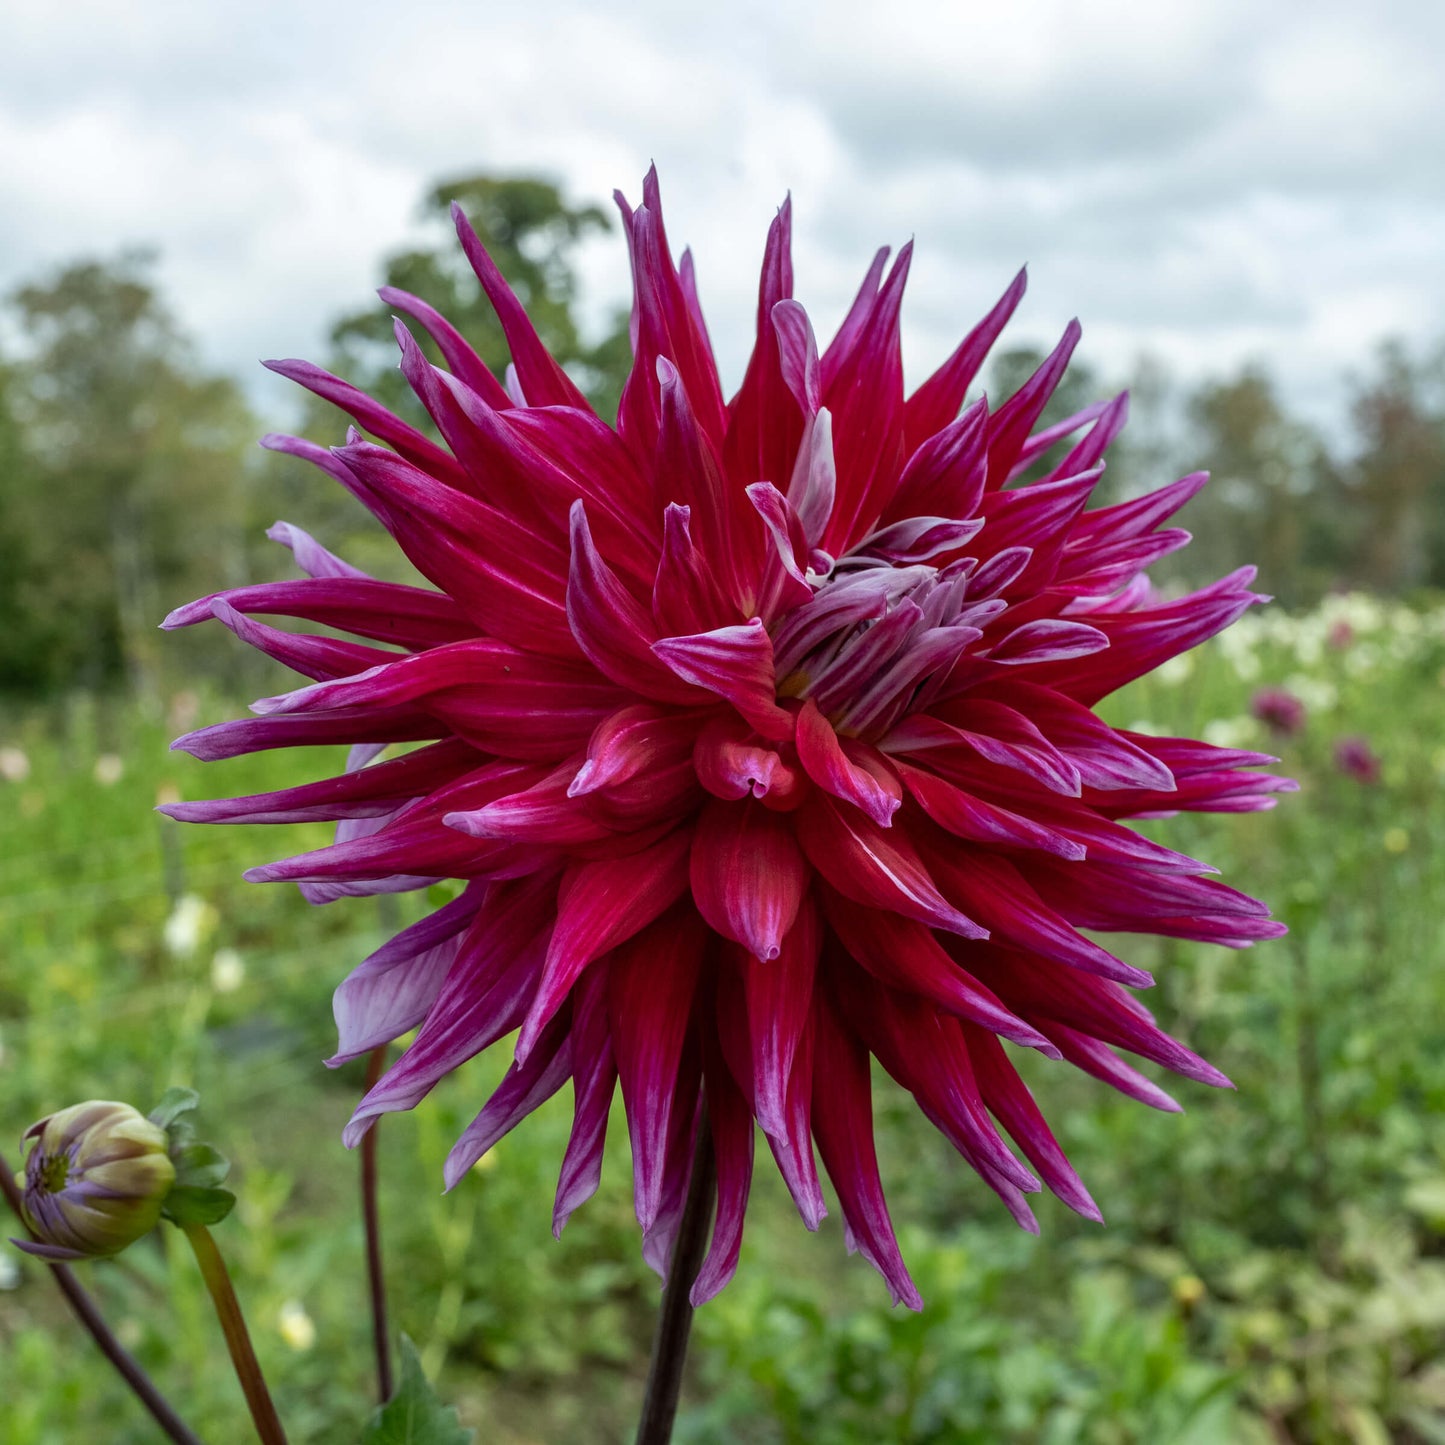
point(843, 1127)
point(735, 663)
point(594, 1077)
point(826, 762)
point(600, 905)
point(651, 980)
point(748, 874)
point(876, 868)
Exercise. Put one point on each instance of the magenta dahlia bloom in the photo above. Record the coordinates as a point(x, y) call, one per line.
point(761, 734)
point(1356, 759)
point(1279, 710)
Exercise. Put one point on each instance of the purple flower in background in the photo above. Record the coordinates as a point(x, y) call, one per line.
point(1280, 710)
point(761, 734)
point(1356, 759)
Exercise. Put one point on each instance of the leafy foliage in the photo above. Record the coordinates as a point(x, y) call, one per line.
point(196, 1197)
point(125, 486)
point(414, 1415)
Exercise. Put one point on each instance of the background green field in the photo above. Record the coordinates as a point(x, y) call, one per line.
point(1273, 1267)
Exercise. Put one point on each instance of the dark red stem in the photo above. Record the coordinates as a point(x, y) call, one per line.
point(371, 1218)
point(674, 1320)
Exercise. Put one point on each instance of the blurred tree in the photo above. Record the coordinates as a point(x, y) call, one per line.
point(133, 489)
point(25, 631)
point(532, 234)
point(1396, 479)
point(1270, 501)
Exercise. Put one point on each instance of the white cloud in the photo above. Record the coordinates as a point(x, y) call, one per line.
point(1208, 179)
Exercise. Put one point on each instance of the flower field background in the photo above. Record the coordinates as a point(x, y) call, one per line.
point(1273, 1268)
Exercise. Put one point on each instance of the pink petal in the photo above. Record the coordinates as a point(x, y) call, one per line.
point(935, 404)
point(732, 1133)
point(906, 956)
point(735, 663)
point(611, 626)
point(594, 1077)
point(968, 816)
point(882, 870)
point(486, 990)
point(600, 905)
point(311, 557)
point(821, 753)
point(997, 893)
point(392, 989)
point(748, 874)
point(843, 1127)
point(1010, 1102)
point(545, 381)
point(525, 1087)
point(466, 365)
point(651, 982)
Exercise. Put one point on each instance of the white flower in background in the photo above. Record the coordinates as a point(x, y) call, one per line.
point(190, 923)
point(228, 970)
point(9, 1272)
point(1173, 672)
point(1309, 643)
point(109, 770)
point(1362, 659)
point(1229, 732)
point(295, 1326)
point(1317, 694)
point(14, 765)
point(1238, 648)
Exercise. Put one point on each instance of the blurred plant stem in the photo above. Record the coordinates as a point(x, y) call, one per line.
point(371, 1217)
point(89, 1316)
point(238, 1341)
point(1316, 1146)
point(674, 1320)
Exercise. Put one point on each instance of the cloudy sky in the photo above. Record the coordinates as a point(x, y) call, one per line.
point(1208, 180)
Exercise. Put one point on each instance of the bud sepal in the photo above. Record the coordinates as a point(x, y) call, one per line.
point(197, 1196)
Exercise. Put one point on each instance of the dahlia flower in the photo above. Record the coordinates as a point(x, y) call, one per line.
point(1279, 710)
point(761, 735)
point(1356, 759)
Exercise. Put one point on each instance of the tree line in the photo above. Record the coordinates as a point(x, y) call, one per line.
point(130, 481)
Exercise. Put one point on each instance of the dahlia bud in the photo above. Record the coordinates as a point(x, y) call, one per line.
point(95, 1180)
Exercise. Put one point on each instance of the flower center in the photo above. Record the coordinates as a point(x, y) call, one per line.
point(54, 1173)
point(872, 637)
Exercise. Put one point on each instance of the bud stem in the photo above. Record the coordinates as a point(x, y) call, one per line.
point(89, 1316)
point(674, 1319)
point(238, 1341)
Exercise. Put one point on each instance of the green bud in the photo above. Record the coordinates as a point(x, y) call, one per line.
point(95, 1180)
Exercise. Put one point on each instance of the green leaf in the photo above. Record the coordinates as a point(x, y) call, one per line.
point(186, 1204)
point(414, 1415)
point(174, 1103)
point(200, 1166)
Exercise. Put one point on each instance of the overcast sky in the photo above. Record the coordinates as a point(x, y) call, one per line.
point(1208, 180)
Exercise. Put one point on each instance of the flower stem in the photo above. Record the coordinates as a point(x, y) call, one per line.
point(89, 1316)
point(674, 1320)
point(238, 1341)
point(371, 1218)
